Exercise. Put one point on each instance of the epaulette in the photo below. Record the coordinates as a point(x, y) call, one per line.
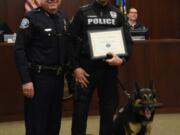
point(34, 11)
point(115, 9)
point(86, 7)
point(60, 12)
point(25, 23)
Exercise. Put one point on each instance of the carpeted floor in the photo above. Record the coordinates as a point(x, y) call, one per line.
point(164, 124)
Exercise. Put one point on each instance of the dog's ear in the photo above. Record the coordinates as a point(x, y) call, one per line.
point(137, 88)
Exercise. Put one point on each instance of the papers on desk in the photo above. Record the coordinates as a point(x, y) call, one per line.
point(138, 38)
point(10, 38)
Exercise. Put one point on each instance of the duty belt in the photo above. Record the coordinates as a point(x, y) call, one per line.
point(57, 70)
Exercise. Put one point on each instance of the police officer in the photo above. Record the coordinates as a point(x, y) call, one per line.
point(99, 15)
point(40, 54)
point(132, 22)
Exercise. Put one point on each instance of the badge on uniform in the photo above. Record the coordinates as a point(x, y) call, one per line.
point(24, 23)
point(48, 29)
point(113, 14)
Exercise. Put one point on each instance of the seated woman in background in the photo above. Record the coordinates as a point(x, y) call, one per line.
point(137, 30)
point(132, 20)
point(4, 29)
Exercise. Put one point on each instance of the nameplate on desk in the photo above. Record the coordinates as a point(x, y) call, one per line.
point(138, 38)
point(10, 38)
point(139, 35)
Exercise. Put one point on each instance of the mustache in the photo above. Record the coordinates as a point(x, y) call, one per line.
point(50, 1)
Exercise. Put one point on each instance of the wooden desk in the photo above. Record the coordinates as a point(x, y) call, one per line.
point(156, 60)
point(11, 100)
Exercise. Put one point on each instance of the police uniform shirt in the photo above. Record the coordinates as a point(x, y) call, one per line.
point(40, 40)
point(137, 26)
point(94, 17)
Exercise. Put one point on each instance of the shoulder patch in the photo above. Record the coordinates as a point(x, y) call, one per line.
point(113, 8)
point(85, 6)
point(34, 11)
point(113, 14)
point(24, 23)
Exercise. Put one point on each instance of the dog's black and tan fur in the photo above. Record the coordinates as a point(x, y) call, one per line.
point(137, 116)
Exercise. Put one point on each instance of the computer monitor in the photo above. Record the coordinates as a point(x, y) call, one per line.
point(1, 37)
point(139, 34)
point(178, 34)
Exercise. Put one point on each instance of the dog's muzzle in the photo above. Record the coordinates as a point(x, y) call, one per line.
point(149, 106)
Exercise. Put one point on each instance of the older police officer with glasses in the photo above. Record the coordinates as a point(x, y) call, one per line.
point(40, 54)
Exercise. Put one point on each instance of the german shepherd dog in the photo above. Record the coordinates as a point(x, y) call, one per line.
point(137, 116)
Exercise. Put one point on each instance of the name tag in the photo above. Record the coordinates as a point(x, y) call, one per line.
point(48, 30)
point(107, 21)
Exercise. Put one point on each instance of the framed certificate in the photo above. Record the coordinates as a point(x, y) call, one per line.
point(107, 41)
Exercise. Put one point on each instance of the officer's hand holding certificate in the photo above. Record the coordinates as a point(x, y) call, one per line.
point(114, 60)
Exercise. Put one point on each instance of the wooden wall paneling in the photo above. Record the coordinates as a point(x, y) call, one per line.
point(15, 12)
point(11, 99)
point(133, 71)
point(158, 61)
point(159, 16)
point(12, 12)
point(164, 70)
point(2, 8)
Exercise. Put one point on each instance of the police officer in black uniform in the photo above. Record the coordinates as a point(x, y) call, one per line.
point(40, 54)
point(99, 15)
point(132, 22)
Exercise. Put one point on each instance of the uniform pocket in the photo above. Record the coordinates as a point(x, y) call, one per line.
point(44, 36)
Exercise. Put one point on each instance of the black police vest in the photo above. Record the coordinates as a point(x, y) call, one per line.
point(97, 19)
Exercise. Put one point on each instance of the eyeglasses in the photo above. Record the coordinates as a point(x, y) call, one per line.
point(133, 12)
